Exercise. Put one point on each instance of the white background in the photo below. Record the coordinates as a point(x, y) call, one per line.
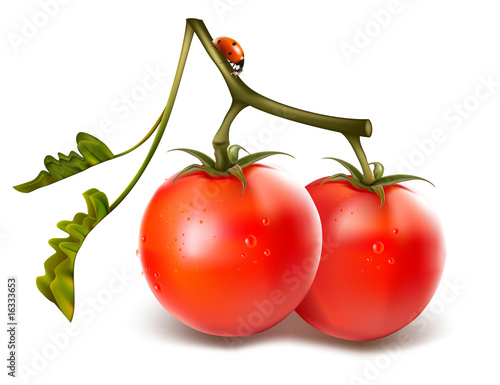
point(410, 77)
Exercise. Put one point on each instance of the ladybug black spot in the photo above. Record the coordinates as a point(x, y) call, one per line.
point(229, 53)
point(234, 43)
point(218, 41)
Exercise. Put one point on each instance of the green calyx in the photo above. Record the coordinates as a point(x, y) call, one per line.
point(356, 178)
point(235, 166)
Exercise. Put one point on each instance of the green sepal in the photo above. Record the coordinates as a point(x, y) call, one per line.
point(236, 167)
point(196, 167)
point(238, 173)
point(203, 158)
point(393, 179)
point(354, 182)
point(252, 158)
point(378, 170)
point(380, 181)
point(379, 190)
point(93, 151)
point(57, 285)
point(356, 174)
point(233, 152)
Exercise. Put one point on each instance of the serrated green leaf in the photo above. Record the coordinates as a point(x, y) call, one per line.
point(238, 172)
point(379, 190)
point(252, 158)
point(356, 174)
point(203, 158)
point(92, 152)
point(378, 170)
point(339, 177)
point(233, 152)
point(57, 285)
point(393, 179)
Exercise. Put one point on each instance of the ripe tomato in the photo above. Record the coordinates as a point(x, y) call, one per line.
point(227, 263)
point(379, 268)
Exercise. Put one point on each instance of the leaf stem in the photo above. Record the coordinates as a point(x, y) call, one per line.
point(148, 135)
point(188, 37)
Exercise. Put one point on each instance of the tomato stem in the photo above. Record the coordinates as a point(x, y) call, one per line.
point(221, 139)
point(244, 94)
point(355, 141)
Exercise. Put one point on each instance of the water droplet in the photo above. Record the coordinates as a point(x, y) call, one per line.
point(190, 203)
point(175, 271)
point(144, 238)
point(255, 261)
point(362, 270)
point(267, 252)
point(336, 220)
point(204, 210)
point(251, 241)
point(147, 268)
point(137, 253)
point(378, 247)
point(369, 259)
point(189, 219)
point(266, 221)
point(391, 261)
point(180, 248)
point(238, 268)
point(158, 287)
point(157, 275)
point(182, 211)
point(341, 210)
point(352, 213)
point(201, 221)
point(175, 239)
point(378, 267)
point(395, 231)
point(243, 255)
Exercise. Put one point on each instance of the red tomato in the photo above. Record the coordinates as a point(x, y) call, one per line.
point(227, 263)
point(379, 268)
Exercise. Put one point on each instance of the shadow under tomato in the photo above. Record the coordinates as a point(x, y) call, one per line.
point(160, 323)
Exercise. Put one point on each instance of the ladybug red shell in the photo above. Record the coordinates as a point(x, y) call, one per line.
point(232, 51)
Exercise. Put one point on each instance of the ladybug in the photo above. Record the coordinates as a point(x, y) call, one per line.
point(232, 51)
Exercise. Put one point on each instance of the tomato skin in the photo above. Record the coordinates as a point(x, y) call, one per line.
point(227, 263)
point(379, 268)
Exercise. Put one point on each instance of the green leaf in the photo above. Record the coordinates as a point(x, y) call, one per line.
point(57, 285)
point(238, 172)
point(393, 179)
point(233, 151)
point(252, 158)
point(356, 174)
point(93, 152)
point(204, 159)
point(378, 170)
point(379, 190)
point(354, 182)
